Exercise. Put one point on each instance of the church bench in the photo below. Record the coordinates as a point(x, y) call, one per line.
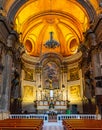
point(14, 128)
point(84, 129)
point(36, 125)
point(21, 124)
point(81, 124)
point(73, 126)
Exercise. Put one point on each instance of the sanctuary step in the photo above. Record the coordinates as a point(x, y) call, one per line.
point(52, 118)
point(53, 126)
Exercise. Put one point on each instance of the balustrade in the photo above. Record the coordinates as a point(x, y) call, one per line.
point(60, 117)
point(29, 116)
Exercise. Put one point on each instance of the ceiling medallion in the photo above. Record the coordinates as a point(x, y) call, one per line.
point(51, 44)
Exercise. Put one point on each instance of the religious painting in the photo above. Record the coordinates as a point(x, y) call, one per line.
point(28, 93)
point(29, 74)
point(74, 73)
point(51, 76)
point(75, 92)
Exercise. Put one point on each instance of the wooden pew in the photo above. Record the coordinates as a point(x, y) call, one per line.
point(21, 124)
point(82, 124)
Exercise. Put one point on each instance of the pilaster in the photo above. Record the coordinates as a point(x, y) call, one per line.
point(4, 115)
point(5, 96)
point(96, 49)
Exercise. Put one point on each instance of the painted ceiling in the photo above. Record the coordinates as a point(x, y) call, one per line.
point(67, 19)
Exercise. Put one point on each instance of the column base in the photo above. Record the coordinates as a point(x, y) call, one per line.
point(4, 115)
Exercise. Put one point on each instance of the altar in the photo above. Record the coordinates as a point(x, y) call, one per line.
point(44, 107)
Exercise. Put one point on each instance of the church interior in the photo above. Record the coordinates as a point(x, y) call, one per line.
point(50, 57)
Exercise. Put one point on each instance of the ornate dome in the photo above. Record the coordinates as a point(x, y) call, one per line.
point(35, 19)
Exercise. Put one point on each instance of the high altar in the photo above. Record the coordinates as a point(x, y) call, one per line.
point(50, 56)
point(51, 102)
point(52, 80)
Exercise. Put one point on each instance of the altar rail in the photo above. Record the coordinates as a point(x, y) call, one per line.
point(60, 117)
point(29, 116)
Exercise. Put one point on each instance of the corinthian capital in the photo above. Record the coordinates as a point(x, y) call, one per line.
point(91, 37)
point(12, 38)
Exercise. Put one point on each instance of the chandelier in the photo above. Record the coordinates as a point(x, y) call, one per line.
point(51, 43)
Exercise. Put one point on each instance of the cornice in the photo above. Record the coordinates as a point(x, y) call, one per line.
point(73, 58)
point(34, 60)
point(89, 9)
point(14, 8)
point(51, 56)
point(29, 59)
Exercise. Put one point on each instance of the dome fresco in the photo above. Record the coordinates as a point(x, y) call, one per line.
point(35, 19)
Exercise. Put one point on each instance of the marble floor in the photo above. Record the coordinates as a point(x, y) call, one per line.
point(53, 126)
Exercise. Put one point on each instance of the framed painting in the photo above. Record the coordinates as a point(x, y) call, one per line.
point(75, 92)
point(28, 93)
point(74, 74)
point(28, 74)
point(51, 76)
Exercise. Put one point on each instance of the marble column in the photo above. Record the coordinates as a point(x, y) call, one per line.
point(1, 66)
point(64, 76)
point(5, 97)
point(100, 56)
point(92, 44)
point(96, 64)
point(38, 76)
point(96, 67)
point(60, 78)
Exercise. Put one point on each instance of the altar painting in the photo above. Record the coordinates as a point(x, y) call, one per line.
point(74, 74)
point(28, 93)
point(51, 76)
point(75, 92)
point(29, 74)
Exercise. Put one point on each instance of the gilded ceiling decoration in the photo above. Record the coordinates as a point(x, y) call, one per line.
point(34, 20)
